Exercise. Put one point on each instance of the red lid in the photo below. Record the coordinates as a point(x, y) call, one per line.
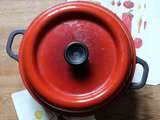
point(44, 67)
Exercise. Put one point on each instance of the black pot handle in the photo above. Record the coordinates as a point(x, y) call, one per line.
point(142, 83)
point(10, 42)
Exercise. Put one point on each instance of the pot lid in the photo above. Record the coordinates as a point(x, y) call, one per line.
point(76, 55)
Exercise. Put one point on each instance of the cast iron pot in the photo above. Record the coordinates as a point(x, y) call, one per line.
point(76, 57)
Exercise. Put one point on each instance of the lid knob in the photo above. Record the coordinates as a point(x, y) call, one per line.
point(76, 53)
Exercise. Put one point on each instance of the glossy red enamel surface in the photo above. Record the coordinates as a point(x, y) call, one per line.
point(111, 55)
point(58, 73)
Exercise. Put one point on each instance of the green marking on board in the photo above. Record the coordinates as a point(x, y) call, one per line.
point(38, 114)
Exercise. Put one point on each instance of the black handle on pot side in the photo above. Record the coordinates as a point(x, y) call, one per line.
point(138, 85)
point(10, 42)
point(138, 60)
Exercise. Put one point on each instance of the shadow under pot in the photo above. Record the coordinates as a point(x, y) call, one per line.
point(77, 57)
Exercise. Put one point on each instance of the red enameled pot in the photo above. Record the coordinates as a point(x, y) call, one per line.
point(76, 57)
